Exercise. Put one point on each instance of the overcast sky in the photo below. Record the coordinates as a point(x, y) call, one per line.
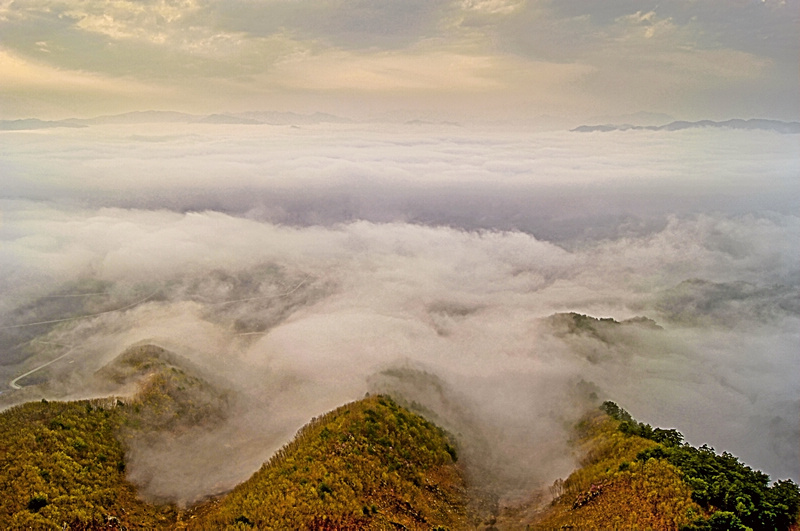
point(446, 59)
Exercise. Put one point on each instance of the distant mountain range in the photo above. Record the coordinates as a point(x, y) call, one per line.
point(295, 119)
point(144, 117)
point(752, 124)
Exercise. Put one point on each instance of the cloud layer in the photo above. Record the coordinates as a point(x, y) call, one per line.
point(490, 178)
point(305, 267)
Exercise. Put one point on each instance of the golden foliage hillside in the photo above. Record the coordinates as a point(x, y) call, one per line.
point(634, 476)
point(370, 464)
point(62, 467)
point(367, 465)
point(612, 490)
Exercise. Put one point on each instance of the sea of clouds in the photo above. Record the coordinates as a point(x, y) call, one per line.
point(305, 267)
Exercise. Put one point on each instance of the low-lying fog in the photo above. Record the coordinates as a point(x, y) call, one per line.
point(304, 267)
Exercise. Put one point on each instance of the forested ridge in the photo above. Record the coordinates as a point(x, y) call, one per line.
point(634, 476)
point(737, 496)
point(370, 464)
point(366, 465)
point(62, 466)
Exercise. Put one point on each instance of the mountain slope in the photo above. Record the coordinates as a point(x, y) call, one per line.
point(61, 464)
point(613, 490)
point(367, 465)
point(777, 126)
point(634, 476)
point(370, 464)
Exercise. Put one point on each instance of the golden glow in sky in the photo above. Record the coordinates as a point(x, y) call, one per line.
point(459, 59)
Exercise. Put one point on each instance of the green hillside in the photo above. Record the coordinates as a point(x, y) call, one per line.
point(367, 465)
point(63, 463)
point(634, 476)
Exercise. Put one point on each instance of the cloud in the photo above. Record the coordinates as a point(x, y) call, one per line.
point(337, 308)
point(492, 7)
point(304, 267)
point(25, 75)
point(466, 177)
point(342, 24)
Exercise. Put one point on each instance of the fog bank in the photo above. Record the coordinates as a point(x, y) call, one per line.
point(306, 267)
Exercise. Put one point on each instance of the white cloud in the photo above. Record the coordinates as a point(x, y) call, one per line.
point(461, 306)
point(336, 299)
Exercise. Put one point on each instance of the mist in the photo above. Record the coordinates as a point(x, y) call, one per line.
point(300, 268)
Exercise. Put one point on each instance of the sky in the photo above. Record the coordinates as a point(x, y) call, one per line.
point(431, 59)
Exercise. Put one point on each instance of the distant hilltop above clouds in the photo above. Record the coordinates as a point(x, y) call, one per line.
point(753, 124)
point(142, 117)
point(638, 121)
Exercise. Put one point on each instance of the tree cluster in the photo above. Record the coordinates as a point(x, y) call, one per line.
point(737, 496)
point(62, 467)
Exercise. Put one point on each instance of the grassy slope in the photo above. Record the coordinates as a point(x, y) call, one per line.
point(64, 462)
point(369, 464)
point(634, 476)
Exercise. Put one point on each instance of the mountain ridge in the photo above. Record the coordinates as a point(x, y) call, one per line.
point(375, 463)
point(369, 464)
point(289, 118)
point(153, 116)
point(760, 124)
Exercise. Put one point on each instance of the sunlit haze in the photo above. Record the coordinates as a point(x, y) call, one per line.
point(443, 59)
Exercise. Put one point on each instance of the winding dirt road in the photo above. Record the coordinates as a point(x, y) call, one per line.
point(13, 383)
